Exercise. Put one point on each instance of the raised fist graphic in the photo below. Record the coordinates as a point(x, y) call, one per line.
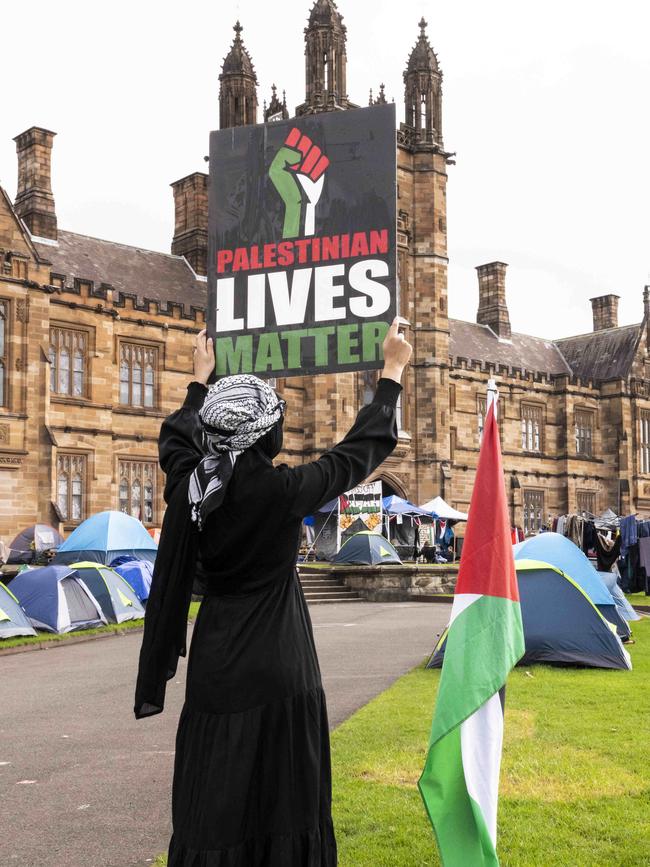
point(298, 174)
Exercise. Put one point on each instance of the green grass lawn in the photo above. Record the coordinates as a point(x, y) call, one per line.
point(46, 637)
point(637, 598)
point(575, 780)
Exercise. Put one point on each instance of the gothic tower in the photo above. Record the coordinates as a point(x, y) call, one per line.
point(325, 60)
point(422, 268)
point(238, 90)
point(423, 92)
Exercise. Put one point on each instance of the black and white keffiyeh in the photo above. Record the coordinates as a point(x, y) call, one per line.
point(237, 411)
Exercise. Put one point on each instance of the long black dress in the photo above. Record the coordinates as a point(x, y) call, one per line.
point(252, 778)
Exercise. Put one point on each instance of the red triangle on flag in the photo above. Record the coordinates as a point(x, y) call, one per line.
point(487, 564)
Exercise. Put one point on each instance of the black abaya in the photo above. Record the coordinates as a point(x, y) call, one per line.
point(252, 779)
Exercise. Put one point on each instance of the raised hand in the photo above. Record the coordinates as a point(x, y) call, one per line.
point(397, 352)
point(203, 357)
point(297, 172)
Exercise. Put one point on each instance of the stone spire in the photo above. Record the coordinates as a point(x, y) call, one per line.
point(238, 89)
point(276, 110)
point(325, 60)
point(380, 99)
point(423, 93)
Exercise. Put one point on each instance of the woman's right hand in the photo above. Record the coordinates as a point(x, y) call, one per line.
point(397, 352)
point(203, 357)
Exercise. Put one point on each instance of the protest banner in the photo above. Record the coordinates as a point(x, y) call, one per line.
point(301, 233)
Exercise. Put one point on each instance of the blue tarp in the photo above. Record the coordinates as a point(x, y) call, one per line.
point(106, 536)
point(398, 506)
point(624, 608)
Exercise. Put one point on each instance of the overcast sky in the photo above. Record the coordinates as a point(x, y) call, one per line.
point(546, 104)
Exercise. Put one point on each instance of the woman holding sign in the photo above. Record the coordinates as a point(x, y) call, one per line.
point(252, 779)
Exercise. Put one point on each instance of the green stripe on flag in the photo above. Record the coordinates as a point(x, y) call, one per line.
point(462, 837)
point(484, 643)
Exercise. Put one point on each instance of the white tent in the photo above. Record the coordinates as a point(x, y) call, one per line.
point(441, 510)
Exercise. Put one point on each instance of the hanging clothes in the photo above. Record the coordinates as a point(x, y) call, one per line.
point(628, 533)
point(608, 547)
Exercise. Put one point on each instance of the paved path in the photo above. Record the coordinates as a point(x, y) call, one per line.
point(83, 785)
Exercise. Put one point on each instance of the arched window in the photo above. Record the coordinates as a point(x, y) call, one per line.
point(137, 489)
point(71, 486)
point(138, 375)
point(68, 360)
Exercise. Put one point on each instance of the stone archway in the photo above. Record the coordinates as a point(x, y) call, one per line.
point(390, 484)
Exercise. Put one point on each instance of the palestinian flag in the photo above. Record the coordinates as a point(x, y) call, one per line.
point(460, 780)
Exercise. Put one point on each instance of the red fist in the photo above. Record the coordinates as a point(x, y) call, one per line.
point(314, 162)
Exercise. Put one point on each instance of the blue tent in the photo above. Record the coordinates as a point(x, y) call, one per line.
point(56, 599)
point(106, 536)
point(13, 620)
point(561, 553)
point(138, 573)
point(398, 506)
point(561, 623)
point(624, 608)
point(367, 549)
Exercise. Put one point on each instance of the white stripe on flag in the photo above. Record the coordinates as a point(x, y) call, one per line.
point(461, 602)
point(481, 739)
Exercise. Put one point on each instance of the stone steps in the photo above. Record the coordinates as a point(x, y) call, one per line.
point(320, 590)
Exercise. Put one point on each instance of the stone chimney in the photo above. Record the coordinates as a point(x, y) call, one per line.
point(492, 307)
point(34, 199)
point(605, 310)
point(191, 221)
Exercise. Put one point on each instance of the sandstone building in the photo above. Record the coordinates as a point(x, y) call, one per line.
point(96, 340)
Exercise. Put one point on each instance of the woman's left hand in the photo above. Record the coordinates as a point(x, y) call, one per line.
point(203, 358)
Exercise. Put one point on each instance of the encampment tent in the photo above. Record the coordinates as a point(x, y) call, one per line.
point(561, 553)
point(106, 536)
point(437, 508)
point(561, 623)
point(626, 611)
point(13, 620)
point(367, 549)
point(32, 541)
point(116, 598)
point(137, 573)
point(56, 599)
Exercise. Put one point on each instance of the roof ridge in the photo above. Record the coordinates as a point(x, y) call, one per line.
point(600, 331)
point(121, 244)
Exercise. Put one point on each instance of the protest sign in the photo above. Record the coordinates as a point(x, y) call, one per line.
point(301, 256)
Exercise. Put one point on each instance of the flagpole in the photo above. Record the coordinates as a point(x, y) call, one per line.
point(492, 396)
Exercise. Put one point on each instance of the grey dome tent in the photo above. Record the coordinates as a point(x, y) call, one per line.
point(13, 620)
point(367, 549)
point(32, 542)
point(561, 623)
point(116, 597)
point(56, 599)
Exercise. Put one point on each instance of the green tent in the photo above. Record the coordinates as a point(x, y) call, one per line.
point(13, 620)
point(367, 549)
point(115, 596)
